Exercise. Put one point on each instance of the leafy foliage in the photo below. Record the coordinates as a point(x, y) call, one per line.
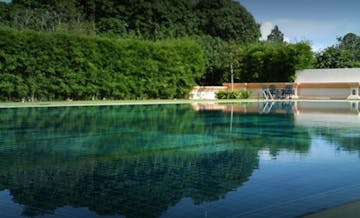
point(274, 62)
point(345, 54)
point(257, 62)
point(276, 35)
point(59, 66)
point(226, 32)
point(213, 24)
point(334, 57)
point(147, 19)
point(304, 57)
point(228, 20)
point(236, 94)
point(351, 43)
point(219, 55)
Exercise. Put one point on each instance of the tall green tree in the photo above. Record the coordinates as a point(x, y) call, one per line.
point(351, 42)
point(276, 35)
point(228, 20)
point(61, 16)
point(4, 13)
point(304, 56)
point(334, 57)
point(148, 19)
point(216, 62)
point(274, 62)
point(220, 55)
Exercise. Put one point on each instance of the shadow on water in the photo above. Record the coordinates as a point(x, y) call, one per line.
point(138, 161)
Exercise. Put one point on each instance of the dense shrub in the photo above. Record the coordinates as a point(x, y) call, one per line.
point(236, 94)
point(256, 62)
point(275, 62)
point(49, 66)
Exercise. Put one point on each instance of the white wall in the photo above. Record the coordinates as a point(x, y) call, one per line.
point(205, 92)
point(210, 95)
point(338, 75)
point(256, 93)
point(340, 93)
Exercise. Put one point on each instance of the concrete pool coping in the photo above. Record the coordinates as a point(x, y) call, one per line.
point(146, 102)
point(348, 210)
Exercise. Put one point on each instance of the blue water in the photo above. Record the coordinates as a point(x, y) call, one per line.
point(252, 160)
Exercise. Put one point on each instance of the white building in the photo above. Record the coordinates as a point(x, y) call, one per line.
point(340, 83)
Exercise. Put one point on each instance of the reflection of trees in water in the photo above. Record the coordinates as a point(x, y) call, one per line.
point(350, 143)
point(133, 160)
point(136, 187)
point(266, 131)
point(345, 139)
point(131, 129)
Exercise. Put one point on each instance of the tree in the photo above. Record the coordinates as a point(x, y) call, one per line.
point(228, 20)
point(304, 57)
point(62, 15)
point(216, 63)
point(111, 26)
point(274, 62)
point(4, 13)
point(12, 87)
point(334, 57)
point(351, 42)
point(276, 35)
point(147, 19)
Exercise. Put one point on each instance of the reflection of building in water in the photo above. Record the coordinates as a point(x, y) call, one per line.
point(306, 113)
point(328, 114)
point(336, 122)
point(262, 107)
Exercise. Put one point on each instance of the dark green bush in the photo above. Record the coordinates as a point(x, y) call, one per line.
point(55, 66)
point(236, 94)
point(245, 94)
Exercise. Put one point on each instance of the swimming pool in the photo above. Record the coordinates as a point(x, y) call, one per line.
point(261, 159)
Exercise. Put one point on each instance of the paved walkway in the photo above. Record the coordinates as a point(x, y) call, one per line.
point(142, 102)
point(350, 210)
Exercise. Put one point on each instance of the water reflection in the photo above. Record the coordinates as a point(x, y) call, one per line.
point(138, 161)
point(135, 187)
point(330, 120)
point(336, 122)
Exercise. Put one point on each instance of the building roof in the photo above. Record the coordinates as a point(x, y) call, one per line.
point(337, 75)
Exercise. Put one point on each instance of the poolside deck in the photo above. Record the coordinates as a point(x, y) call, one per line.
point(350, 210)
point(149, 102)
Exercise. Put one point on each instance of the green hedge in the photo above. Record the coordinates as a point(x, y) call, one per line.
point(236, 94)
point(55, 66)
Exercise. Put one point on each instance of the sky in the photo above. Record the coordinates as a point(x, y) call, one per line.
point(318, 21)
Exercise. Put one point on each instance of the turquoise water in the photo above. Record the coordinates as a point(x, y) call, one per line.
point(253, 160)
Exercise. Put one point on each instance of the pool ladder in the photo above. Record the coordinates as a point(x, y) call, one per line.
point(267, 94)
point(267, 107)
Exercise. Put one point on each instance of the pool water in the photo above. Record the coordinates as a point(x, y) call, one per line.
point(284, 159)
